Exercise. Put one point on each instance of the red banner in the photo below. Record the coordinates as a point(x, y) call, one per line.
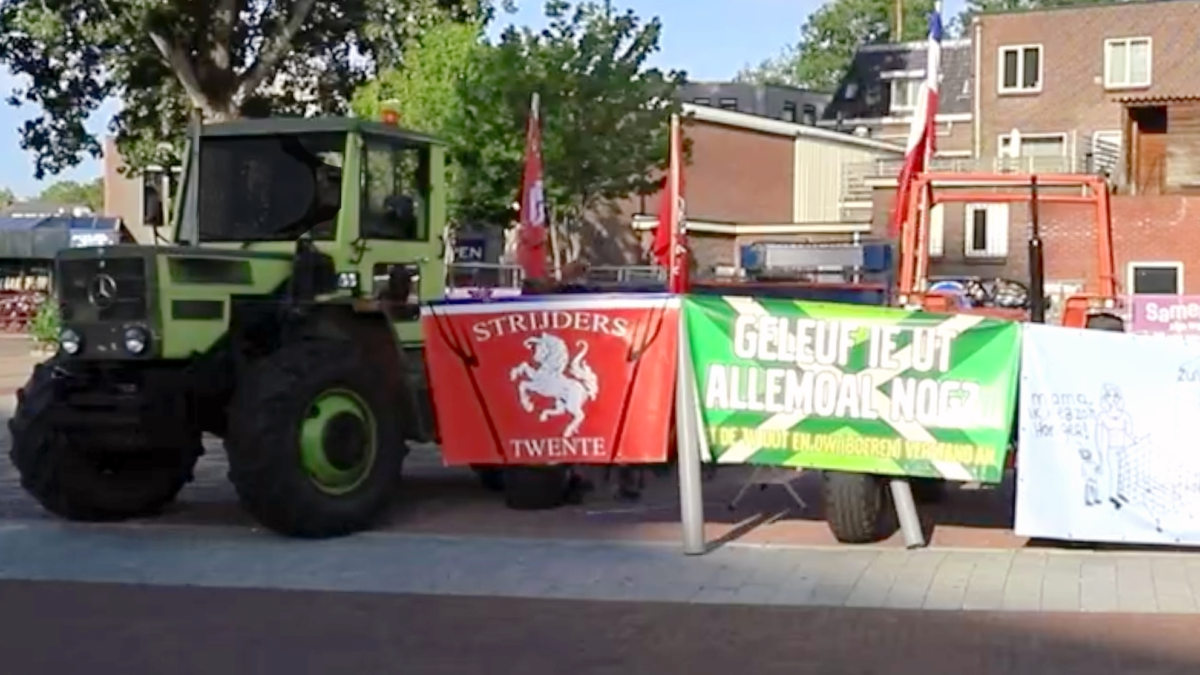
point(573, 379)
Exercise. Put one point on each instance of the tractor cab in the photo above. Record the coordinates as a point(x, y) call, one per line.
point(325, 210)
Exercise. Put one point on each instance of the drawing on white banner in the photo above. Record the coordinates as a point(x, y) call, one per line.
point(1108, 429)
point(1114, 442)
point(1134, 471)
point(1092, 474)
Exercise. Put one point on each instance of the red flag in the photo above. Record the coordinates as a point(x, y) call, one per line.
point(670, 236)
point(531, 242)
point(922, 133)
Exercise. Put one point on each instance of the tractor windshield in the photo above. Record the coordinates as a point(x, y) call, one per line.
point(270, 187)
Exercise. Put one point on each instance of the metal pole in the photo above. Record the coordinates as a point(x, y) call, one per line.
point(688, 441)
point(906, 512)
point(1037, 260)
point(535, 107)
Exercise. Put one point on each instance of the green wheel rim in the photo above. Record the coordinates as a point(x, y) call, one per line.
point(316, 457)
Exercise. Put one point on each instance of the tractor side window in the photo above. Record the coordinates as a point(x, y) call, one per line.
point(395, 189)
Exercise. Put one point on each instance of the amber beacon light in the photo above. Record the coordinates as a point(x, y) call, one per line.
point(389, 112)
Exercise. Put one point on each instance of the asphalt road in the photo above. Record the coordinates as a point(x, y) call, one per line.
point(59, 628)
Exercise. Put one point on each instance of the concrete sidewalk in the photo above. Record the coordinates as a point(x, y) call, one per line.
point(1022, 580)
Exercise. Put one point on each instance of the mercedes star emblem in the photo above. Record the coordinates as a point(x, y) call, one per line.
point(102, 291)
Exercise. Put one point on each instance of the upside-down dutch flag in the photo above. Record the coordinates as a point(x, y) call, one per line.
point(922, 133)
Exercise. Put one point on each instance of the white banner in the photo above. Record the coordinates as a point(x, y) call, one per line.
point(1109, 445)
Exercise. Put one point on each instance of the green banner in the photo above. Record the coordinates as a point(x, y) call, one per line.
point(854, 388)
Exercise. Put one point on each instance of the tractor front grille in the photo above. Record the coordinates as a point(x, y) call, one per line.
point(103, 289)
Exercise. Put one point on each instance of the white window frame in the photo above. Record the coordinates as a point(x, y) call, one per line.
point(1020, 50)
point(1132, 267)
point(997, 244)
point(1004, 138)
point(1128, 42)
point(911, 83)
point(937, 231)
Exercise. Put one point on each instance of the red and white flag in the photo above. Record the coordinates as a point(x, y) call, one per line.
point(670, 236)
point(922, 133)
point(531, 242)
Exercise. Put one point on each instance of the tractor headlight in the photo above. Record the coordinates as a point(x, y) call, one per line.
point(69, 341)
point(136, 340)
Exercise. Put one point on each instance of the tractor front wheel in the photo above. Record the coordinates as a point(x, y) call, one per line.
point(76, 475)
point(315, 440)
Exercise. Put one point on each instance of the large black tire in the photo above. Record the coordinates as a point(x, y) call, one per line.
point(274, 396)
point(928, 490)
point(535, 488)
point(855, 506)
point(1106, 322)
point(490, 477)
point(74, 478)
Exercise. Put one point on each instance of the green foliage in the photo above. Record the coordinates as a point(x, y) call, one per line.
point(427, 85)
point(162, 58)
point(604, 113)
point(7, 197)
point(831, 36)
point(90, 194)
point(46, 322)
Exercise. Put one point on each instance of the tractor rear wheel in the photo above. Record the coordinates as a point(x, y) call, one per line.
point(855, 505)
point(74, 475)
point(315, 440)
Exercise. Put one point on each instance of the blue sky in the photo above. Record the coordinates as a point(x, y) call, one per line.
point(710, 39)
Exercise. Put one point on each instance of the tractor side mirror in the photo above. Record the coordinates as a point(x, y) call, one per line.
point(153, 215)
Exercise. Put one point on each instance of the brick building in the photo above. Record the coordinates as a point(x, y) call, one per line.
point(879, 94)
point(752, 179)
point(1099, 89)
point(790, 104)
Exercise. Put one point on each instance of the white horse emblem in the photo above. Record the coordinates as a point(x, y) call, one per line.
point(554, 374)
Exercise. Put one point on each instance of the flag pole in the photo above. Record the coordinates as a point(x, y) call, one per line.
point(673, 191)
point(535, 110)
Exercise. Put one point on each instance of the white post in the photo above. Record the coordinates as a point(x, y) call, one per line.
point(688, 445)
point(906, 513)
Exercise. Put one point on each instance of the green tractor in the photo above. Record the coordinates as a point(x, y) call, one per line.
point(279, 311)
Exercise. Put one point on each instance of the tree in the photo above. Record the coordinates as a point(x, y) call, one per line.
point(833, 33)
point(69, 192)
point(427, 85)
point(7, 197)
point(163, 58)
point(604, 114)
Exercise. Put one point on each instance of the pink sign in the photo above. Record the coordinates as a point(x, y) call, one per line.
point(1165, 315)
